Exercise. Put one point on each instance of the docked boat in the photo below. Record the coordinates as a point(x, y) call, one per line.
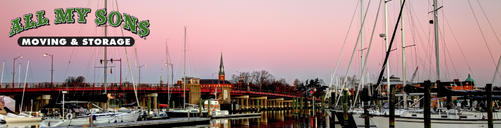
point(190, 110)
point(215, 109)
point(101, 118)
point(21, 118)
point(7, 116)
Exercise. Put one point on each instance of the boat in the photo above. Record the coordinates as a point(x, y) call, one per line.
point(21, 118)
point(442, 117)
point(100, 118)
point(13, 118)
point(215, 109)
point(8, 116)
point(78, 116)
point(416, 120)
point(191, 110)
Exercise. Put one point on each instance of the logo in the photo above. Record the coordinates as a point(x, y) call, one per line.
point(79, 15)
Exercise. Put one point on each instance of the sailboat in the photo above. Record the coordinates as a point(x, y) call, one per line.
point(7, 116)
point(21, 117)
point(452, 117)
point(215, 107)
point(80, 117)
point(188, 110)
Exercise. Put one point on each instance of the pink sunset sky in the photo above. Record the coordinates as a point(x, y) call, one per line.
point(290, 39)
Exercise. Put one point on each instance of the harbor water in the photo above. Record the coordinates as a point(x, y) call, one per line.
point(268, 119)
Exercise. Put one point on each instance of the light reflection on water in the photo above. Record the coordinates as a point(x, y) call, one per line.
point(268, 119)
point(275, 119)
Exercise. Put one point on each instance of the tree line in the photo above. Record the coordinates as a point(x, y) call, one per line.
point(263, 80)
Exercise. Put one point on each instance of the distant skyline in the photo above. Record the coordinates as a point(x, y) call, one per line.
point(290, 39)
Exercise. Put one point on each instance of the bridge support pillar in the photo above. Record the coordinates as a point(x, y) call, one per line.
point(241, 101)
point(266, 104)
point(143, 102)
point(45, 99)
point(194, 94)
point(155, 100)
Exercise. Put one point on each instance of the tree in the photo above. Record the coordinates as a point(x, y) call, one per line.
point(315, 83)
point(299, 86)
point(243, 77)
point(351, 82)
point(246, 77)
point(72, 81)
point(234, 79)
point(261, 78)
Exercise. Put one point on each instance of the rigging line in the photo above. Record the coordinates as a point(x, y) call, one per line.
point(447, 74)
point(73, 51)
point(191, 61)
point(450, 58)
point(30, 73)
point(483, 36)
point(136, 66)
point(69, 62)
point(457, 43)
point(414, 35)
point(389, 47)
point(367, 55)
point(428, 53)
point(88, 64)
point(128, 64)
point(345, 38)
point(496, 35)
point(354, 50)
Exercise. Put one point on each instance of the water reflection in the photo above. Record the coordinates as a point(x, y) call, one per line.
point(268, 119)
point(277, 119)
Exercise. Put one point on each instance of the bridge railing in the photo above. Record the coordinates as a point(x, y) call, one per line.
point(80, 85)
point(123, 86)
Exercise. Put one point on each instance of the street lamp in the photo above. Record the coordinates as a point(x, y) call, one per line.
point(51, 68)
point(140, 73)
point(213, 77)
point(13, 69)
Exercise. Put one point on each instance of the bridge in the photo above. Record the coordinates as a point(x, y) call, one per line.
point(247, 99)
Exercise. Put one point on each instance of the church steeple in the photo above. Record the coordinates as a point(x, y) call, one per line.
point(221, 68)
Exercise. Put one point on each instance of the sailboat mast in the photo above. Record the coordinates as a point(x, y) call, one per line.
point(167, 64)
point(362, 41)
point(24, 87)
point(403, 58)
point(105, 52)
point(184, 70)
point(435, 22)
point(105, 59)
point(387, 47)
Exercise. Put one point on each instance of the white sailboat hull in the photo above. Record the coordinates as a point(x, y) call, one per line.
point(117, 118)
point(22, 119)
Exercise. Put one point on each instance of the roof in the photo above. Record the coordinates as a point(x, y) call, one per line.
point(469, 79)
point(213, 81)
point(221, 66)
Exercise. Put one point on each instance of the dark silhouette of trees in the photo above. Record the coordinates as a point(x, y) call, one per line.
point(72, 81)
point(262, 78)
